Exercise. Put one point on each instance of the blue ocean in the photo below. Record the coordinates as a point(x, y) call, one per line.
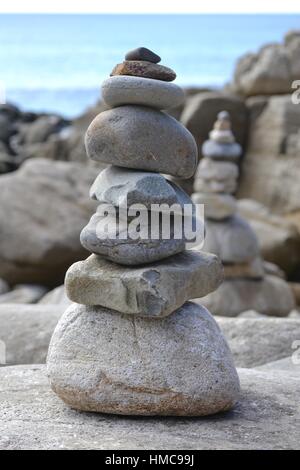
point(55, 63)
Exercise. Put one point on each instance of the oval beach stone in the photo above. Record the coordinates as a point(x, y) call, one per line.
point(105, 362)
point(142, 138)
point(141, 68)
point(143, 53)
point(120, 90)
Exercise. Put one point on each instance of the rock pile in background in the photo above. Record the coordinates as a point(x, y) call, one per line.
point(229, 236)
point(131, 344)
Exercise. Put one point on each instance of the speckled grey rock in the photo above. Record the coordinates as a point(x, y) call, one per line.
point(218, 151)
point(121, 90)
point(23, 294)
point(269, 296)
point(129, 249)
point(257, 341)
point(142, 53)
point(141, 138)
point(33, 417)
point(232, 240)
point(148, 291)
point(216, 206)
point(122, 188)
point(25, 331)
point(179, 365)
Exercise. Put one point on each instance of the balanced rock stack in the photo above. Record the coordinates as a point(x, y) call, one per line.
point(229, 236)
point(131, 343)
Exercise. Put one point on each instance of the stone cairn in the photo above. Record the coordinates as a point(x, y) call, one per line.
point(131, 343)
point(228, 235)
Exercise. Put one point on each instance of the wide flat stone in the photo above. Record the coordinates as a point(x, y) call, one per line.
point(25, 332)
point(233, 240)
point(216, 186)
point(216, 206)
point(221, 151)
point(149, 291)
point(222, 136)
point(269, 296)
point(144, 69)
point(121, 90)
point(122, 188)
point(32, 417)
point(257, 341)
point(142, 138)
point(209, 169)
point(23, 294)
point(142, 53)
point(120, 364)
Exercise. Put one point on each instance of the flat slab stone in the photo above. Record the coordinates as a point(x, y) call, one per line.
point(149, 291)
point(122, 188)
point(121, 364)
point(144, 69)
point(209, 169)
point(121, 90)
point(216, 206)
point(221, 151)
point(257, 341)
point(233, 240)
point(118, 137)
point(269, 296)
point(32, 417)
point(25, 332)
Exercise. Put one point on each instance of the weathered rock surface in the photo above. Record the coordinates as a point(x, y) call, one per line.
point(44, 205)
point(118, 137)
point(26, 331)
point(200, 113)
point(152, 291)
point(179, 365)
point(144, 69)
point(257, 341)
point(56, 296)
point(279, 240)
point(122, 90)
point(271, 71)
point(270, 169)
point(122, 188)
point(232, 240)
point(32, 417)
point(23, 294)
point(269, 296)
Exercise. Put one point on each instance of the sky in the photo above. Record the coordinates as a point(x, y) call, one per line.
point(153, 6)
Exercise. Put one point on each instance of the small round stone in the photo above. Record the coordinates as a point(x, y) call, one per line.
point(143, 69)
point(142, 53)
point(121, 90)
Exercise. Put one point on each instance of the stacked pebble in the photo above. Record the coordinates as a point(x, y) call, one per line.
point(132, 344)
point(228, 235)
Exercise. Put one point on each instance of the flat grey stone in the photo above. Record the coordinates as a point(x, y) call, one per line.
point(122, 188)
point(25, 332)
point(257, 341)
point(149, 291)
point(269, 296)
point(218, 151)
point(289, 366)
point(123, 248)
point(24, 294)
point(233, 240)
point(209, 169)
point(179, 365)
point(216, 206)
point(222, 136)
point(32, 417)
point(122, 90)
point(56, 296)
point(215, 186)
point(142, 138)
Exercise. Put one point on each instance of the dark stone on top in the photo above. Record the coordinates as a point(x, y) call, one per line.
point(142, 53)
